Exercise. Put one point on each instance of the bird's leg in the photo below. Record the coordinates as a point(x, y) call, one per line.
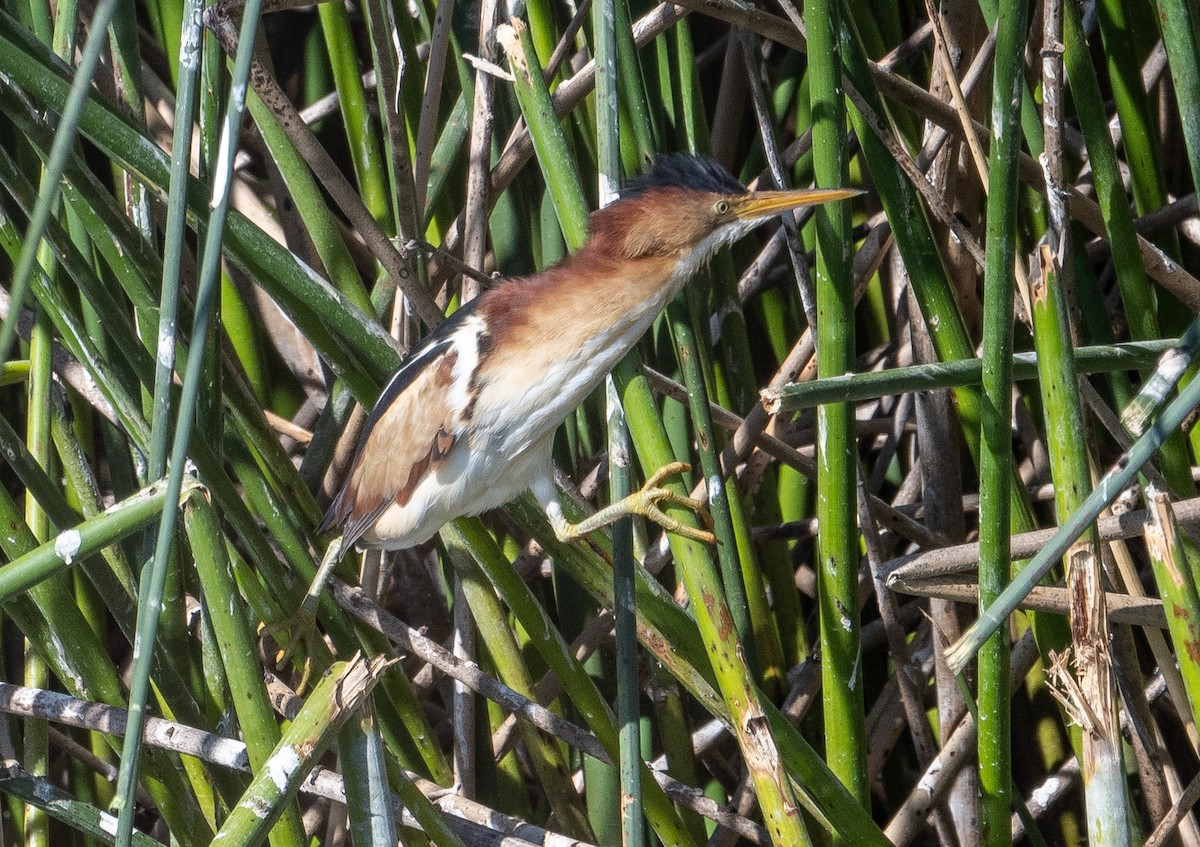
point(302, 625)
point(643, 502)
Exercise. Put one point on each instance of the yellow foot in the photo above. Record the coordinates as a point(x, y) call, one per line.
point(302, 626)
point(300, 633)
point(645, 503)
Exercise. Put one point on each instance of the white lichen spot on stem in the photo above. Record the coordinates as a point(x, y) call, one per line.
point(714, 488)
point(67, 544)
point(281, 766)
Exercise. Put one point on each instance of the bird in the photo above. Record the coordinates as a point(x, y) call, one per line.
point(467, 422)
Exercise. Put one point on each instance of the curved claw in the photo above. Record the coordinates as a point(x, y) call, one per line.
point(667, 470)
point(652, 495)
point(649, 509)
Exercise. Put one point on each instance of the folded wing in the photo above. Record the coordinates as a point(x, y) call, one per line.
point(407, 437)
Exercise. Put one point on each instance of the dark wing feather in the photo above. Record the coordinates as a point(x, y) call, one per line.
point(408, 435)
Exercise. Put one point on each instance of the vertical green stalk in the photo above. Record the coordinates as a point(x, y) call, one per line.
point(175, 235)
point(369, 165)
point(400, 171)
point(165, 21)
point(1139, 135)
point(1179, 21)
point(496, 637)
point(633, 832)
point(370, 810)
point(1103, 774)
point(608, 112)
point(36, 751)
point(36, 754)
point(735, 382)
point(212, 78)
point(39, 17)
point(1177, 587)
point(1066, 438)
point(1136, 294)
point(1031, 126)
point(549, 145)
point(1110, 190)
point(608, 146)
point(154, 576)
point(837, 539)
point(642, 125)
point(995, 468)
point(127, 73)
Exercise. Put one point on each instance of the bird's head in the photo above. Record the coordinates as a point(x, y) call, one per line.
point(688, 207)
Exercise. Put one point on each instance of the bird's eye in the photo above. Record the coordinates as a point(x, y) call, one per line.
point(721, 207)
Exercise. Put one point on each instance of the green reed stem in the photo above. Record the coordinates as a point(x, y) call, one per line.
point(369, 166)
point(36, 742)
point(633, 830)
point(553, 157)
point(1177, 587)
point(871, 385)
point(995, 467)
point(1139, 135)
point(173, 248)
point(361, 750)
point(85, 539)
point(1070, 462)
point(837, 460)
point(1180, 26)
point(497, 639)
point(688, 354)
point(1110, 191)
point(1104, 776)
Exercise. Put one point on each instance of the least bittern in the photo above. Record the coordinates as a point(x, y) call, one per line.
point(467, 422)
